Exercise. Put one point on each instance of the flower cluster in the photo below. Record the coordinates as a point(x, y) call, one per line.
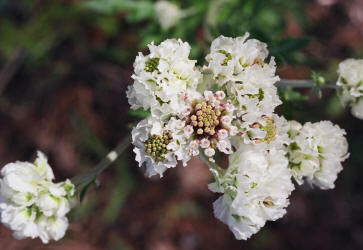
point(31, 204)
point(228, 107)
point(255, 188)
point(316, 152)
point(350, 85)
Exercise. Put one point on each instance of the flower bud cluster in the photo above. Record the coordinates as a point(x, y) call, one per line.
point(31, 204)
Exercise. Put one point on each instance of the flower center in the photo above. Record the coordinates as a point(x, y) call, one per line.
point(205, 119)
point(270, 130)
point(156, 145)
point(152, 64)
point(268, 202)
point(228, 57)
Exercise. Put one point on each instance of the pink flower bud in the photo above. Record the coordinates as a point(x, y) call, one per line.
point(226, 120)
point(220, 95)
point(204, 143)
point(222, 134)
point(209, 152)
point(188, 130)
point(208, 95)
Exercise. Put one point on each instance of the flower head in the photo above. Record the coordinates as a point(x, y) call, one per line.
point(316, 152)
point(151, 141)
point(31, 204)
point(230, 57)
point(350, 85)
point(165, 79)
point(255, 189)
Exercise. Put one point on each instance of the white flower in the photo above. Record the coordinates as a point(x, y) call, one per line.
point(255, 94)
point(316, 153)
point(224, 146)
point(146, 137)
point(204, 143)
point(350, 85)
point(193, 148)
point(238, 64)
point(188, 130)
point(267, 132)
point(209, 152)
point(241, 227)
point(180, 140)
point(255, 189)
point(229, 57)
point(222, 134)
point(220, 95)
point(30, 203)
point(168, 13)
point(165, 80)
point(52, 228)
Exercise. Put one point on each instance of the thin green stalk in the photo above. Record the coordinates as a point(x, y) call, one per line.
point(211, 165)
point(87, 177)
point(302, 84)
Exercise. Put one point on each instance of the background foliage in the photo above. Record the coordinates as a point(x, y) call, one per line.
point(65, 66)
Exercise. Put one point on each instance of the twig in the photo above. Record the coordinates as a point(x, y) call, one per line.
point(301, 84)
point(85, 178)
point(211, 165)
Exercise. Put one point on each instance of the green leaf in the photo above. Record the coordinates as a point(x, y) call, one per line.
point(293, 146)
point(139, 113)
point(85, 189)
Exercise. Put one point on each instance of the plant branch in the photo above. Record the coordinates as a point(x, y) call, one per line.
point(87, 177)
point(211, 165)
point(302, 84)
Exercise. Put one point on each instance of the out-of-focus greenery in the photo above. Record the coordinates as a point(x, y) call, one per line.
point(264, 19)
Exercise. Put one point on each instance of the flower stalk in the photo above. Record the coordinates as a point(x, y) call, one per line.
point(302, 84)
point(87, 177)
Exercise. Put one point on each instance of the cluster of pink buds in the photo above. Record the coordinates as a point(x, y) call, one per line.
point(209, 121)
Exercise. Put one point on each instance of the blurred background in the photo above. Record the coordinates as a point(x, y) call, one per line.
point(64, 69)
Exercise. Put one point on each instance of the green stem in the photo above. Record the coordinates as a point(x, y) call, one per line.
point(302, 84)
point(87, 177)
point(211, 165)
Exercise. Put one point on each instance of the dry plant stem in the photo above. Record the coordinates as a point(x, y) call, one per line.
point(301, 84)
point(87, 177)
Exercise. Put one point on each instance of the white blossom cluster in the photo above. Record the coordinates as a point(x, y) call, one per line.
point(227, 107)
point(164, 78)
point(350, 85)
point(31, 204)
point(255, 188)
point(316, 152)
